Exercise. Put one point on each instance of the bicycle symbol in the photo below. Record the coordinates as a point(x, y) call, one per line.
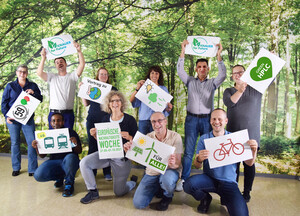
point(237, 148)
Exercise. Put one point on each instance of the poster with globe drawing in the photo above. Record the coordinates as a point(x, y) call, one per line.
point(23, 108)
point(93, 90)
point(150, 152)
point(202, 46)
point(153, 96)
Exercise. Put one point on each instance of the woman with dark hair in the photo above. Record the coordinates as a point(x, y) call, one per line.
point(114, 104)
point(155, 74)
point(10, 95)
point(95, 114)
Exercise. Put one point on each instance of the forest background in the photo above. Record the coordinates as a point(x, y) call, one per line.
point(129, 36)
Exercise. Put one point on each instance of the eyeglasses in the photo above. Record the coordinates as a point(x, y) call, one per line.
point(115, 100)
point(159, 121)
point(238, 73)
point(21, 71)
point(103, 74)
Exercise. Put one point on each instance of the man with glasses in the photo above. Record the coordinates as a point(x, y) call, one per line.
point(243, 109)
point(62, 86)
point(200, 104)
point(152, 181)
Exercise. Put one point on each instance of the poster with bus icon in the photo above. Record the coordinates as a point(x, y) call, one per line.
point(228, 149)
point(53, 141)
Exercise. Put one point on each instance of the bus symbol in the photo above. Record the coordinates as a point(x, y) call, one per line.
point(62, 141)
point(49, 142)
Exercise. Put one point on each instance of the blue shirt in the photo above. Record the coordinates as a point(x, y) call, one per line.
point(12, 92)
point(224, 173)
point(145, 112)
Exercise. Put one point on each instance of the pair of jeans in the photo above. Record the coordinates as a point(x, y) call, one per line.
point(200, 185)
point(58, 169)
point(145, 126)
point(28, 131)
point(69, 119)
point(149, 185)
point(193, 126)
point(120, 168)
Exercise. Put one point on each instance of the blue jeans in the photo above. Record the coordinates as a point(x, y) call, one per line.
point(199, 185)
point(69, 119)
point(145, 126)
point(193, 126)
point(52, 170)
point(150, 185)
point(28, 131)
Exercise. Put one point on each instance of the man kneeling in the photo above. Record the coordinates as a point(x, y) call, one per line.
point(220, 180)
point(152, 180)
point(60, 166)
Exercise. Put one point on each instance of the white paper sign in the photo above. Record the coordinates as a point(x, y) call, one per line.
point(202, 46)
point(53, 141)
point(150, 153)
point(23, 108)
point(58, 46)
point(109, 140)
point(228, 149)
point(94, 90)
point(263, 70)
point(153, 96)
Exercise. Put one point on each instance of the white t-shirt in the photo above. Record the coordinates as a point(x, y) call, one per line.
point(62, 90)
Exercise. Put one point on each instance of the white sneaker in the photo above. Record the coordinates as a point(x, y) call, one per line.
point(179, 185)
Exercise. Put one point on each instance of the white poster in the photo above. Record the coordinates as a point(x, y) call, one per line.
point(202, 46)
point(228, 149)
point(94, 90)
point(53, 141)
point(109, 140)
point(263, 70)
point(58, 46)
point(150, 153)
point(23, 108)
point(153, 96)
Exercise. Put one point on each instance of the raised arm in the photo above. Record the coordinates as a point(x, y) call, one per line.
point(180, 64)
point(80, 58)
point(241, 87)
point(138, 86)
point(221, 67)
point(40, 71)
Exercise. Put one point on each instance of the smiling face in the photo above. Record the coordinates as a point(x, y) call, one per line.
point(218, 121)
point(60, 64)
point(202, 70)
point(22, 73)
point(103, 75)
point(237, 72)
point(57, 121)
point(115, 104)
point(154, 76)
point(159, 123)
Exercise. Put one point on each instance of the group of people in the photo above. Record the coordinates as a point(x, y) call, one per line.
point(243, 112)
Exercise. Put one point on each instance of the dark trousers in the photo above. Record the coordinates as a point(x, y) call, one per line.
point(249, 174)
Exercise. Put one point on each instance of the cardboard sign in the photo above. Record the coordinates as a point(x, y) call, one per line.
point(150, 153)
point(202, 46)
point(53, 141)
point(153, 96)
point(228, 149)
point(58, 46)
point(109, 140)
point(263, 70)
point(23, 108)
point(94, 90)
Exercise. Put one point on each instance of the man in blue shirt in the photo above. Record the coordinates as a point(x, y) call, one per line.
point(220, 180)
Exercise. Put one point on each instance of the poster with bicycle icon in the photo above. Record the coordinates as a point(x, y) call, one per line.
point(53, 141)
point(228, 149)
point(23, 108)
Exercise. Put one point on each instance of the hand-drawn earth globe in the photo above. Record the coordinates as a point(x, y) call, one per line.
point(95, 93)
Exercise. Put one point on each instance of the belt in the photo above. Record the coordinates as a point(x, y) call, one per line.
point(198, 115)
point(61, 111)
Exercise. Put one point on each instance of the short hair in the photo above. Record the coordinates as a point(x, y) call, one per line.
point(23, 66)
point(56, 113)
point(156, 69)
point(158, 113)
point(202, 60)
point(221, 110)
point(98, 72)
point(105, 105)
point(60, 58)
point(238, 66)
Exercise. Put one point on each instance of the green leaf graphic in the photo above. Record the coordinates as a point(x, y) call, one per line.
point(51, 44)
